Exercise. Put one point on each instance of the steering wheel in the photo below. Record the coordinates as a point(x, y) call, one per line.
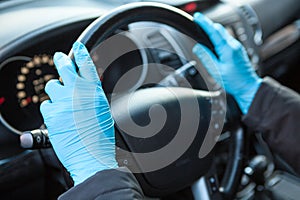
point(170, 158)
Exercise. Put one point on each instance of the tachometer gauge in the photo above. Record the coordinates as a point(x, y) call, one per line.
point(22, 84)
point(32, 78)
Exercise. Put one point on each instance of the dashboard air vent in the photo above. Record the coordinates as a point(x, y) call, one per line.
point(162, 51)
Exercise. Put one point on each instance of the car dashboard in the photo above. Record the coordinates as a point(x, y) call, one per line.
point(32, 31)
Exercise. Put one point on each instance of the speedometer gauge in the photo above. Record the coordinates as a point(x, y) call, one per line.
point(22, 84)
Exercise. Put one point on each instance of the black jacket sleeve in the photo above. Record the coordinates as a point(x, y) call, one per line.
point(275, 111)
point(107, 184)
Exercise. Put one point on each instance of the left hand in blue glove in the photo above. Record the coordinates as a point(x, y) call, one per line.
point(78, 118)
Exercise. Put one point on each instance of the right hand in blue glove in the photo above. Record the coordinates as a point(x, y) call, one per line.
point(232, 69)
point(78, 118)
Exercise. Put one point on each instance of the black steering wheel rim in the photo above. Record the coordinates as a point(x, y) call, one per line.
point(106, 25)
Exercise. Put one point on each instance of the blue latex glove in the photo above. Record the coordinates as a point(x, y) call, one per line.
point(78, 118)
point(232, 69)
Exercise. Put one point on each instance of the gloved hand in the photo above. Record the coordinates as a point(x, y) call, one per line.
point(232, 69)
point(78, 118)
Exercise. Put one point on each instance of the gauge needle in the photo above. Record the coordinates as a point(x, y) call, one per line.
point(2, 100)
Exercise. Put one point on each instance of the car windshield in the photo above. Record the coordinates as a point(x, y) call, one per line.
point(5, 3)
point(171, 2)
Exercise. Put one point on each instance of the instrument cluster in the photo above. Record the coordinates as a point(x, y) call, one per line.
point(22, 83)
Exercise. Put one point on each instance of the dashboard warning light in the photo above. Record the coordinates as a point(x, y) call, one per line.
point(2, 100)
point(190, 8)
